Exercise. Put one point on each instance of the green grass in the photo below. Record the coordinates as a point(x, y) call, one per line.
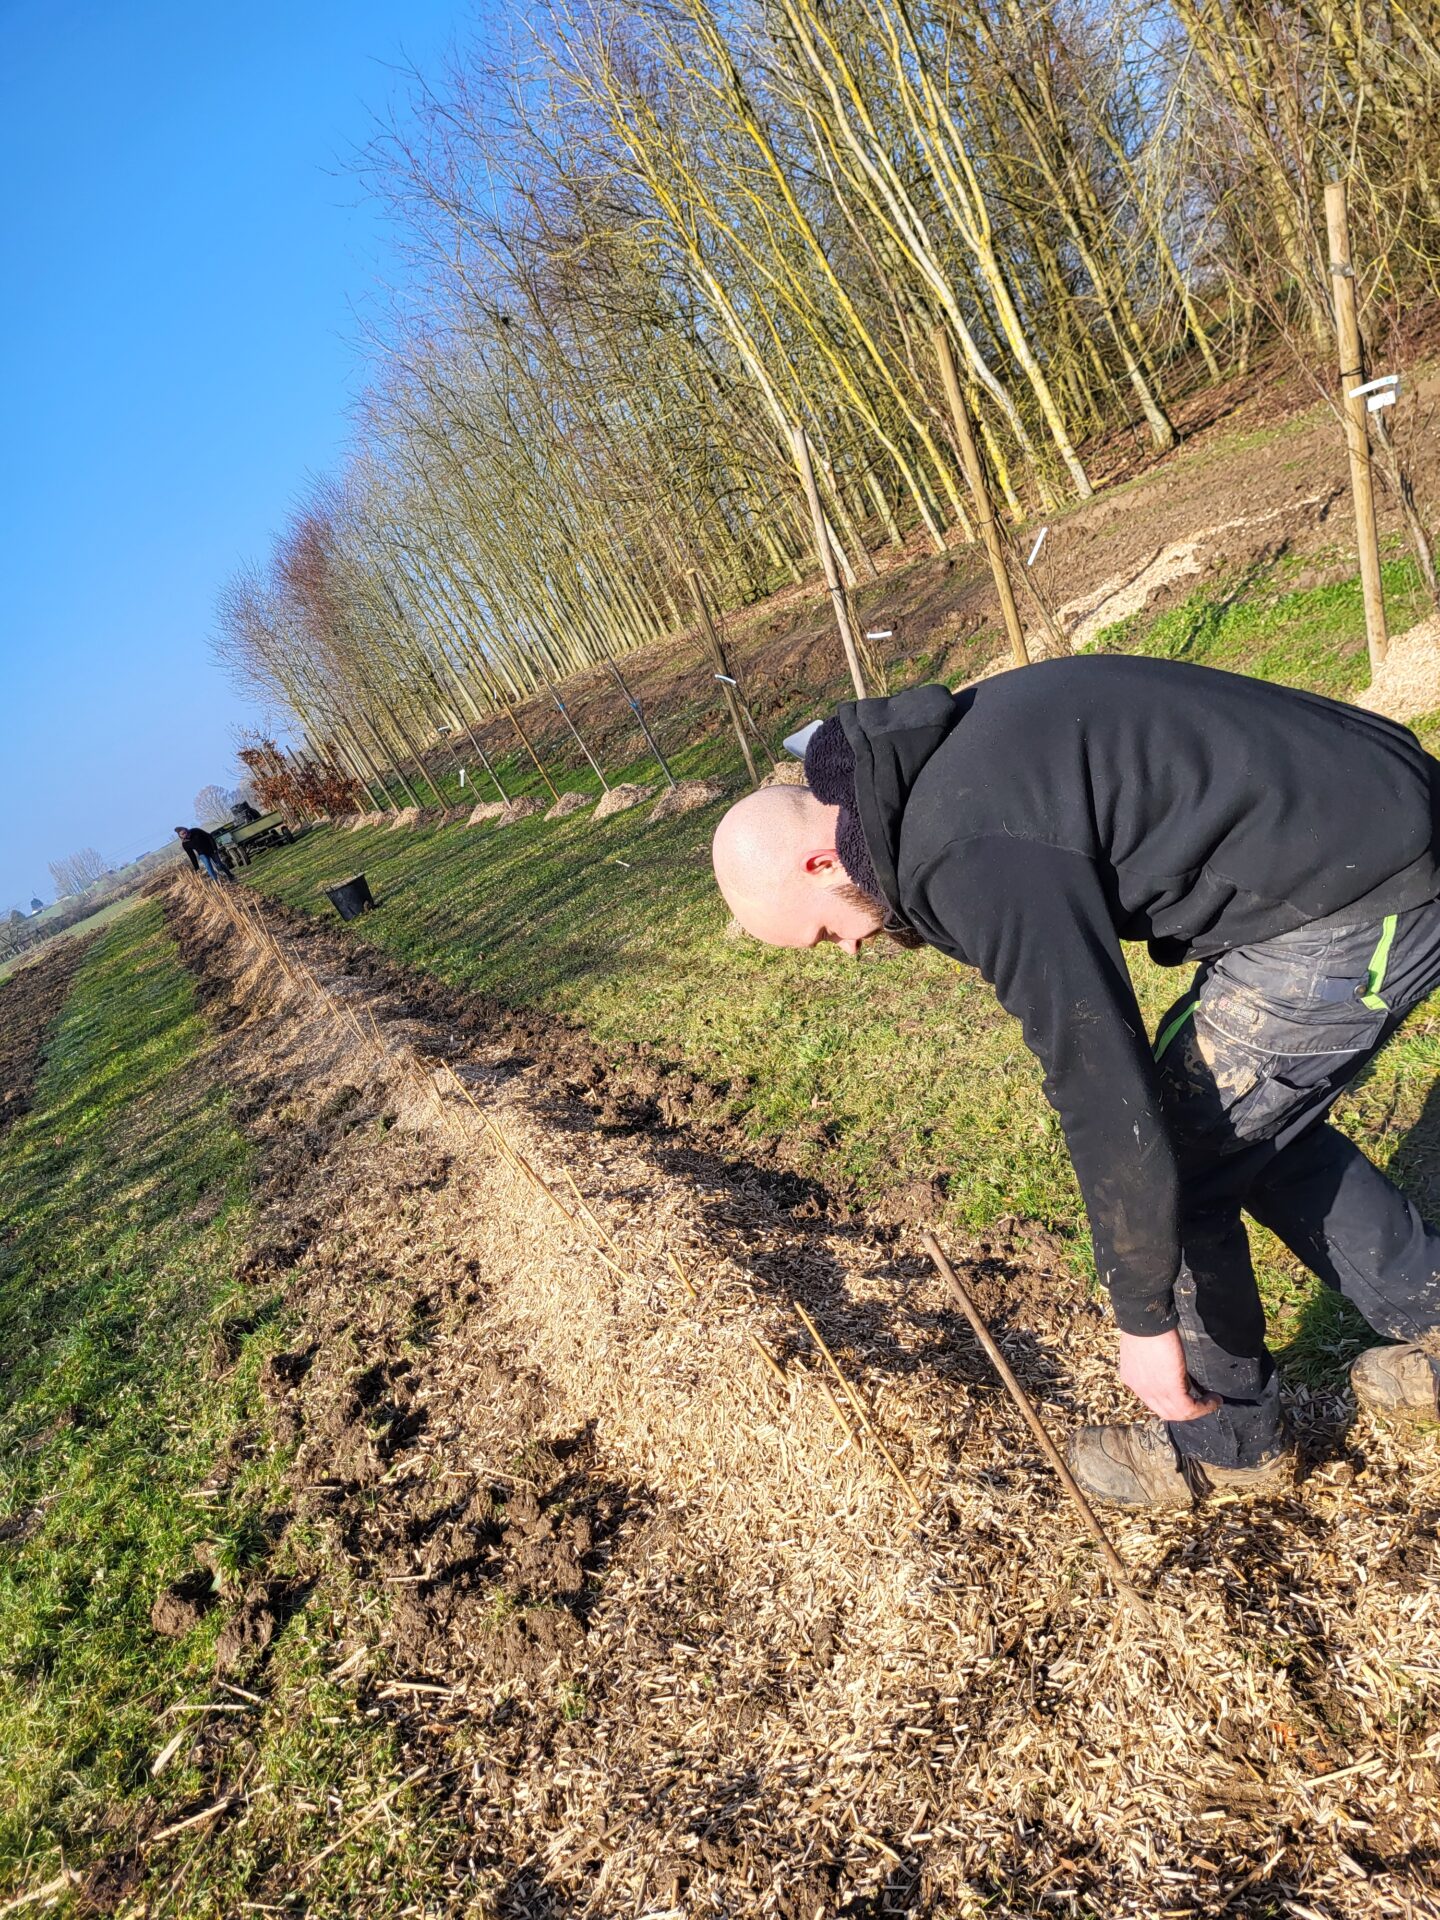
point(883, 1072)
point(1311, 637)
point(128, 1205)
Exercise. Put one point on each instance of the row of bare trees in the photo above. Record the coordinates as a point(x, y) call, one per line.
point(652, 237)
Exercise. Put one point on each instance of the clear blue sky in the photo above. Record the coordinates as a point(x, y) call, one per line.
point(187, 265)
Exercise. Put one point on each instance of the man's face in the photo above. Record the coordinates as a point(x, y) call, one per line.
point(777, 866)
point(821, 905)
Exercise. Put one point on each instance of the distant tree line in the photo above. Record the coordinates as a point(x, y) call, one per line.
point(659, 235)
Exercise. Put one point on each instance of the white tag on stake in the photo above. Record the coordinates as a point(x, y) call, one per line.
point(1383, 391)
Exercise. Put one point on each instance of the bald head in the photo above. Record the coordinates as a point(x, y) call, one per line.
point(776, 864)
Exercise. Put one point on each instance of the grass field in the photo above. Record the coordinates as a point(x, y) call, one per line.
point(91, 924)
point(883, 1073)
point(131, 1437)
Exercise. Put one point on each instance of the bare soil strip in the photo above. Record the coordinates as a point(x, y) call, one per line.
point(29, 1001)
point(644, 1596)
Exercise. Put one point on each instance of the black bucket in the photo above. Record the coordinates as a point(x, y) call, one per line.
point(351, 898)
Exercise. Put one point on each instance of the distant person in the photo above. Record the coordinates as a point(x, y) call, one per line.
point(202, 849)
point(1026, 826)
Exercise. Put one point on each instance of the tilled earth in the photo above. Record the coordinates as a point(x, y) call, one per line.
point(29, 1001)
point(633, 1578)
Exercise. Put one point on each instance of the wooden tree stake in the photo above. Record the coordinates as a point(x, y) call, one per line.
point(524, 739)
point(852, 1394)
point(823, 547)
point(564, 712)
point(723, 676)
point(980, 489)
point(634, 706)
point(1357, 430)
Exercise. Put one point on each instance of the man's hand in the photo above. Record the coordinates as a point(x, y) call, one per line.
point(1153, 1367)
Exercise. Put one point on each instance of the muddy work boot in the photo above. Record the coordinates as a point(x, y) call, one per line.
point(1139, 1467)
point(1272, 1477)
point(1403, 1382)
point(1129, 1467)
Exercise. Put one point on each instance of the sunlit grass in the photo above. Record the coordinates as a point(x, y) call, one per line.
point(128, 1205)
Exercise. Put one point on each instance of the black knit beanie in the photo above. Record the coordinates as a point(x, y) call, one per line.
point(830, 776)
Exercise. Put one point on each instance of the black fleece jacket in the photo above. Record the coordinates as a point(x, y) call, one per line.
point(196, 840)
point(1031, 823)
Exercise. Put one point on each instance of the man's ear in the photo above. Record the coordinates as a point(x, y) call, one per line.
point(826, 866)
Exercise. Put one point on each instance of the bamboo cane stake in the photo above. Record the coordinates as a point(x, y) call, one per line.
point(842, 1419)
point(764, 1355)
point(853, 1395)
point(589, 1215)
point(1357, 430)
point(522, 1166)
point(826, 552)
point(980, 489)
point(1119, 1572)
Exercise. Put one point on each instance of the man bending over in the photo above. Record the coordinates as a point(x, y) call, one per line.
point(1028, 825)
point(202, 849)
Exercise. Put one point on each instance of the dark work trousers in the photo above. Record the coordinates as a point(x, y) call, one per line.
point(1250, 1062)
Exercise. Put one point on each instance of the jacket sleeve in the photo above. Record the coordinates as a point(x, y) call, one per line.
point(190, 856)
point(1035, 921)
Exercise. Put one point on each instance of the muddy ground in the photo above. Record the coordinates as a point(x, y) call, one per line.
point(29, 1001)
point(636, 1584)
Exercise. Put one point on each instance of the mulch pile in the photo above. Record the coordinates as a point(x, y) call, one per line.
point(1407, 683)
point(568, 803)
point(688, 796)
point(525, 808)
point(620, 800)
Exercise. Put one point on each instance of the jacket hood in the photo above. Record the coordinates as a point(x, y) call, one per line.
point(892, 740)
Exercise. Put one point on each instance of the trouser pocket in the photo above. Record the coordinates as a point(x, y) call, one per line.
point(1247, 1064)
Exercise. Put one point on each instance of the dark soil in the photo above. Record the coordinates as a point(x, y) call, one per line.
point(184, 1603)
point(584, 1085)
point(30, 1001)
point(427, 1459)
point(485, 1574)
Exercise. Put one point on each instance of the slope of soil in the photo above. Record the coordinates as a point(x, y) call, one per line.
point(643, 1592)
